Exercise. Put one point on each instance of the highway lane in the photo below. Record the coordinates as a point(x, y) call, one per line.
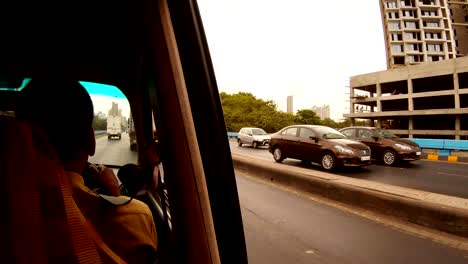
point(432, 176)
point(283, 227)
point(114, 151)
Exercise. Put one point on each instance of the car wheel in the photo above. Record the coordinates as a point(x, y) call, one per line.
point(239, 142)
point(328, 161)
point(389, 157)
point(255, 144)
point(278, 154)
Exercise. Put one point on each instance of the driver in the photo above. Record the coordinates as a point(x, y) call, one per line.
point(64, 109)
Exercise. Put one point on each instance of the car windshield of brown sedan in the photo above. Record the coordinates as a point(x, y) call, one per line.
point(258, 131)
point(385, 134)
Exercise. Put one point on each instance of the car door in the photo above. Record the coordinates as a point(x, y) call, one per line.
point(368, 137)
point(289, 141)
point(248, 136)
point(308, 147)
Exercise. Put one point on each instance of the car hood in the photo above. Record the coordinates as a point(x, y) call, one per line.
point(350, 143)
point(405, 141)
point(262, 137)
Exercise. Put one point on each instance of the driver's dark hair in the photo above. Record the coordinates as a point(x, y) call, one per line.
point(63, 108)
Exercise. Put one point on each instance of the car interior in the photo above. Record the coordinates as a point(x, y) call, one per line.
point(156, 53)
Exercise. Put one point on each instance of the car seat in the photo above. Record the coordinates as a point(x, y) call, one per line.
point(40, 223)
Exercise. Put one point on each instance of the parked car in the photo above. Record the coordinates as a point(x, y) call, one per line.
point(318, 144)
point(253, 136)
point(385, 146)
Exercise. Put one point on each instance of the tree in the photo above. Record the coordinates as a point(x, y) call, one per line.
point(330, 123)
point(307, 117)
point(245, 110)
point(99, 122)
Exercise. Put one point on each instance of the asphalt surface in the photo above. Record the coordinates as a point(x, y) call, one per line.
point(432, 176)
point(114, 151)
point(282, 227)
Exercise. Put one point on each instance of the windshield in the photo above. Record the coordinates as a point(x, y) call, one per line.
point(258, 132)
point(385, 133)
point(328, 133)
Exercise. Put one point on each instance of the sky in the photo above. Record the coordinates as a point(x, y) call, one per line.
point(305, 48)
point(104, 104)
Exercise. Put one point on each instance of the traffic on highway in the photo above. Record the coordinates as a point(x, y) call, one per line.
point(432, 176)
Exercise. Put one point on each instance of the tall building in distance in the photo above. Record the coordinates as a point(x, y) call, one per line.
point(418, 31)
point(289, 105)
point(322, 111)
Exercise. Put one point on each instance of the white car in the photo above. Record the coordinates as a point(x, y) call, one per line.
point(253, 136)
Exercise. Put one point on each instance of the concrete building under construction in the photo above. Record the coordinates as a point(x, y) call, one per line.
point(424, 93)
point(428, 100)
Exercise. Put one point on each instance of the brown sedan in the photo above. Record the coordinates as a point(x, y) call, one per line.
point(385, 146)
point(318, 144)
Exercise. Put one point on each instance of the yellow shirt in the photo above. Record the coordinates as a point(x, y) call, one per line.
point(128, 230)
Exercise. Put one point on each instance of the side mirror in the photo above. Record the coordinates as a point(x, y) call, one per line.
point(376, 138)
point(250, 134)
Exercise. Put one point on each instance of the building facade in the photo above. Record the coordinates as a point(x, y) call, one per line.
point(459, 14)
point(418, 31)
point(322, 111)
point(289, 105)
point(428, 100)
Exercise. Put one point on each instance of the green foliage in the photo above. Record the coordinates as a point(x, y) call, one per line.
point(99, 123)
point(307, 117)
point(245, 110)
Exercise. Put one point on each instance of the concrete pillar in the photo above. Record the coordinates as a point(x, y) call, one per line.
point(351, 98)
point(410, 95)
point(457, 127)
point(379, 96)
point(410, 127)
point(456, 87)
point(379, 122)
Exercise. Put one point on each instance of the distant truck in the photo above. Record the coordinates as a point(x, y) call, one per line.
point(114, 126)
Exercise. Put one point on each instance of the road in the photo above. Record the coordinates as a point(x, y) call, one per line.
point(282, 227)
point(114, 151)
point(432, 176)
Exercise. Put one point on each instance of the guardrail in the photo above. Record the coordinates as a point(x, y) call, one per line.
point(448, 144)
point(232, 134)
point(100, 132)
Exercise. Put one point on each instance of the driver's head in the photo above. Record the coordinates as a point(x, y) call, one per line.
point(63, 108)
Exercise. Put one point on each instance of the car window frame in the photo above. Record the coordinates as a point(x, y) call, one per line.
point(366, 130)
point(353, 132)
point(306, 129)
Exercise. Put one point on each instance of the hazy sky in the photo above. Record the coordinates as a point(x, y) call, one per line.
point(305, 48)
point(104, 104)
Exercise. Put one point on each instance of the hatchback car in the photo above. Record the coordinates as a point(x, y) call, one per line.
point(385, 146)
point(318, 144)
point(253, 136)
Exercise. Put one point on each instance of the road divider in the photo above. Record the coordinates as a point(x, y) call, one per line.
point(441, 212)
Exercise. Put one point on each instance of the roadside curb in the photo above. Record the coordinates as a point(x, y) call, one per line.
point(451, 158)
point(436, 211)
